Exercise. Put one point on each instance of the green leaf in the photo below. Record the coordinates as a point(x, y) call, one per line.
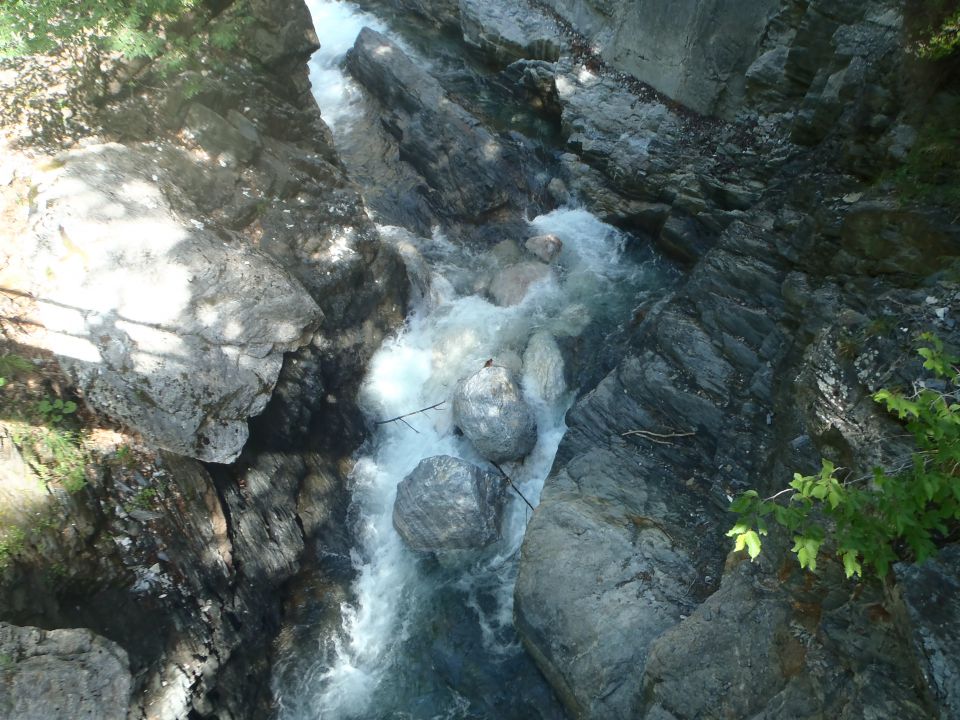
point(851, 566)
point(753, 544)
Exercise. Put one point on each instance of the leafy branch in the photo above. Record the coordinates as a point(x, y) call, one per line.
point(897, 515)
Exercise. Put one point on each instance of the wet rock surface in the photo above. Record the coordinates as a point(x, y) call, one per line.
point(489, 408)
point(448, 504)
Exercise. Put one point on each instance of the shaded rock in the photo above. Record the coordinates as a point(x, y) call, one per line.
point(879, 237)
point(471, 172)
point(792, 648)
point(232, 142)
point(929, 593)
point(510, 286)
point(164, 325)
point(448, 504)
point(490, 411)
point(545, 247)
point(510, 30)
point(61, 674)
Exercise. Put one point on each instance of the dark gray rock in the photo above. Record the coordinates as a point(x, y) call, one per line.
point(929, 593)
point(492, 414)
point(471, 172)
point(448, 504)
point(61, 674)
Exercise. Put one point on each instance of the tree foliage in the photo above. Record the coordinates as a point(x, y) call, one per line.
point(134, 28)
point(876, 520)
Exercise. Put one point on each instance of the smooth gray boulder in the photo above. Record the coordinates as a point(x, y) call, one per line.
point(173, 330)
point(448, 504)
point(492, 414)
point(61, 674)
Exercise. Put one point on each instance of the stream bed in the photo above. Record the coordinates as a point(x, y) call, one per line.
point(422, 636)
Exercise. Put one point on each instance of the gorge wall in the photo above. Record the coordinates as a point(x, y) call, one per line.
point(754, 144)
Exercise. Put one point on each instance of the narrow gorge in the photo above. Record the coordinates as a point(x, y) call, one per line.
point(402, 358)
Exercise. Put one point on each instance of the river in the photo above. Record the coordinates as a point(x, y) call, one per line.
point(422, 636)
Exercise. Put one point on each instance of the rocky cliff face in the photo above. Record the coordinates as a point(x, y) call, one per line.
point(804, 291)
point(201, 267)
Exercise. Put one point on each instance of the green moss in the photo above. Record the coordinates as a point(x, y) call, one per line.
point(931, 171)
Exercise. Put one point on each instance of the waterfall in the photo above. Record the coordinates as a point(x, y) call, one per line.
point(407, 615)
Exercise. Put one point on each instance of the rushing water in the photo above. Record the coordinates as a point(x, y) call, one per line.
point(424, 637)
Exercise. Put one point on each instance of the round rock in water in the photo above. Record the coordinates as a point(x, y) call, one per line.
point(448, 504)
point(490, 411)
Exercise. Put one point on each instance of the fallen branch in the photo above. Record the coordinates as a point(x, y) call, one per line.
point(401, 418)
point(655, 437)
point(515, 489)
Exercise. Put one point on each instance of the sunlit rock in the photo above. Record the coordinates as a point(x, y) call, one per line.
point(489, 409)
point(545, 247)
point(448, 504)
point(164, 325)
point(543, 371)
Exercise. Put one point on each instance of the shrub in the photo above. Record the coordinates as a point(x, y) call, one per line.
point(875, 520)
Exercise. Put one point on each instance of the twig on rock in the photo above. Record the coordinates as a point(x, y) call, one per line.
point(400, 418)
point(655, 437)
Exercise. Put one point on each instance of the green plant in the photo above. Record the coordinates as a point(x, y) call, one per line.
point(131, 27)
point(12, 540)
point(54, 409)
point(56, 456)
point(875, 520)
point(143, 499)
point(12, 365)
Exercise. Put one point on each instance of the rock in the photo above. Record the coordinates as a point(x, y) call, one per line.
point(929, 593)
point(543, 368)
point(470, 171)
point(510, 30)
point(695, 52)
point(756, 648)
point(511, 285)
point(220, 137)
point(880, 237)
point(448, 504)
point(490, 411)
point(165, 326)
point(545, 247)
point(61, 674)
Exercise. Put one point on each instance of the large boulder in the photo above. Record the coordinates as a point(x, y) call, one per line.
point(448, 504)
point(491, 412)
point(61, 674)
point(168, 327)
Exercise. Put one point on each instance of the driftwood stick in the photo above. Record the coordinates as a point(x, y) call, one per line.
point(655, 437)
point(408, 425)
point(515, 489)
point(406, 415)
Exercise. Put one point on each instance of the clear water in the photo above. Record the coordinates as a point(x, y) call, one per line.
point(427, 637)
